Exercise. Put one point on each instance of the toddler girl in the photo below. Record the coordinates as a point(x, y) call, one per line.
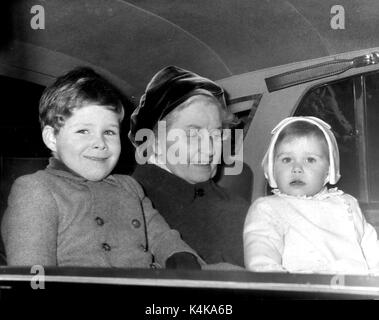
point(305, 226)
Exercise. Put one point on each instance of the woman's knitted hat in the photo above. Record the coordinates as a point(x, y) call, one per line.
point(167, 89)
point(334, 159)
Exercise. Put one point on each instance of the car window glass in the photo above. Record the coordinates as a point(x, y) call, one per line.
point(334, 103)
point(372, 129)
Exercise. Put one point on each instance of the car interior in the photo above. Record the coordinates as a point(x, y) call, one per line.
point(255, 49)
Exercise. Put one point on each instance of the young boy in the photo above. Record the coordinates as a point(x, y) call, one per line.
point(304, 226)
point(74, 213)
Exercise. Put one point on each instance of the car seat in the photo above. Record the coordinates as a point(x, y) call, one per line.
point(240, 184)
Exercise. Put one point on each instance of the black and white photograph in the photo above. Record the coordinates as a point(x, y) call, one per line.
point(188, 159)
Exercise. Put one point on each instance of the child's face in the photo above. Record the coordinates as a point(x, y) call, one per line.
point(301, 165)
point(89, 142)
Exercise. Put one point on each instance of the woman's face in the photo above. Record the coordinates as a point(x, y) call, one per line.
point(194, 140)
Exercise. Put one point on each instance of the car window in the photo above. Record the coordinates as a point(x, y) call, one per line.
point(239, 181)
point(335, 104)
point(244, 111)
point(372, 129)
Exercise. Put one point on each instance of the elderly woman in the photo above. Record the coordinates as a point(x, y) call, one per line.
point(187, 113)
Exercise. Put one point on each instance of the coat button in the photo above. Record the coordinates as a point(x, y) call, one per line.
point(199, 192)
point(136, 223)
point(99, 221)
point(106, 246)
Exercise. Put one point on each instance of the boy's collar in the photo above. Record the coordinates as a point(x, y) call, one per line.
point(56, 164)
point(61, 169)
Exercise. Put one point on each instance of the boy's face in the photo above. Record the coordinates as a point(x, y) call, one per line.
point(89, 142)
point(301, 165)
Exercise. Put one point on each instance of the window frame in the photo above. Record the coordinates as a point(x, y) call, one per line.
point(360, 107)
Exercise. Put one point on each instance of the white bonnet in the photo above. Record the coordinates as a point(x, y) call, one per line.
point(334, 160)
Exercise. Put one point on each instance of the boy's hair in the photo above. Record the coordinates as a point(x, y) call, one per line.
point(300, 129)
point(77, 88)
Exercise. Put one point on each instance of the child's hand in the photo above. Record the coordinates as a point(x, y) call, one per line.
point(182, 260)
